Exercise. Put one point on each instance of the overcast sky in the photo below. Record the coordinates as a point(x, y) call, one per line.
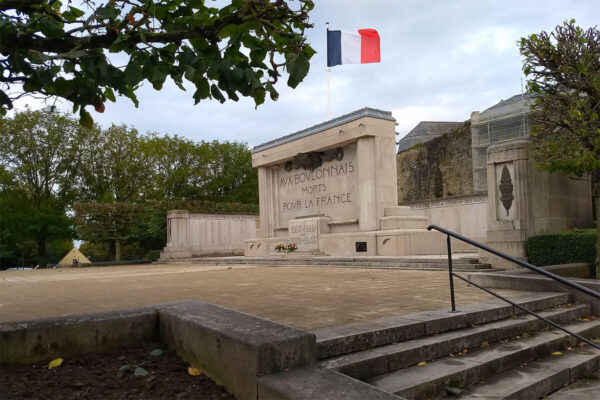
point(440, 60)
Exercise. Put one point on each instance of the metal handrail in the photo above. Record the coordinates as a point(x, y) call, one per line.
point(531, 267)
point(505, 256)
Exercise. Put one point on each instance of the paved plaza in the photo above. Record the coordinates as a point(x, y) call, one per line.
point(304, 297)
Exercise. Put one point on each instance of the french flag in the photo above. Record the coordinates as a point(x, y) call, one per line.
point(352, 47)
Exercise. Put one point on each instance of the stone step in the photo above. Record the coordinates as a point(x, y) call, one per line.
point(459, 371)
point(585, 389)
point(397, 211)
point(404, 222)
point(358, 336)
point(380, 360)
point(438, 263)
point(538, 379)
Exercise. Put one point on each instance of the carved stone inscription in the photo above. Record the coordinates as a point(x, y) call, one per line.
point(326, 190)
point(305, 234)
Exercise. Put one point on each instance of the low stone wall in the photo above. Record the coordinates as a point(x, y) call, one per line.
point(191, 235)
point(252, 357)
point(466, 215)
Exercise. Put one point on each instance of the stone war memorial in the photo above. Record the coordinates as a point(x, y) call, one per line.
point(332, 190)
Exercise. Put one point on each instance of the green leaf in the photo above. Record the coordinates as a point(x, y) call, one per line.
point(109, 12)
point(85, 119)
point(139, 371)
point(72, 14)
point(120, 44)
point(259, 96)
point(297, 66)
point(202, 90)
point(50, 27)
point(110, 94)
point(216, 93)
point(133, 75)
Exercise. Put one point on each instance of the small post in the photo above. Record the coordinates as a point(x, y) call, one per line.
point(328, 86)
point(450, 273)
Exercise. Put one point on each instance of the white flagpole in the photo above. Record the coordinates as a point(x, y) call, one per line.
point(328, 86)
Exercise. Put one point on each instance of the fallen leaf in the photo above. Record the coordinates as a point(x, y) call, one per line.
point(157, 352)
point(422, 364)
point(556, 353)
point(193, 371)
point(485, 344)
point(454, 391)
point(122, 370)
point(585, 319)
point(55, 363)
point(139, 371)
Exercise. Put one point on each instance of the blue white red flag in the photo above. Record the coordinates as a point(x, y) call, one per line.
point(352, 47)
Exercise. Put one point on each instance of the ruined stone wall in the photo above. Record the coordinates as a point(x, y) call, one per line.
point(437, 169)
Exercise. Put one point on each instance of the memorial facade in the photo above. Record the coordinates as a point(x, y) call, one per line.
point(332, 190)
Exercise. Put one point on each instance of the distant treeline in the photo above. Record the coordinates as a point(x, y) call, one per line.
point(57, 176)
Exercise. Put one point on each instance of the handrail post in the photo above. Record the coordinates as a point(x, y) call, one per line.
point(450, 273)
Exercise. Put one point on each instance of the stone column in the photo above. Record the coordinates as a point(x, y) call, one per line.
point(367, 188)
point(177, 235)
point(268, 207)
point(508, 191)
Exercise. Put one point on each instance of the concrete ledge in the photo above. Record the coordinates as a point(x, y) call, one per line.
point(232, 347)
point(32, 341)
point(317, 383)
point(521, 281)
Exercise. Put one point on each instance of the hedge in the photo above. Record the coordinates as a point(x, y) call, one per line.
point(578, 245)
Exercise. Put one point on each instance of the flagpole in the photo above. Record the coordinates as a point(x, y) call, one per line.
point(328, 86)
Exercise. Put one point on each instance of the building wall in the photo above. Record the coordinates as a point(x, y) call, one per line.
point(437, 169)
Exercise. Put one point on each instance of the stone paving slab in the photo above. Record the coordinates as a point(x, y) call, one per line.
point(304, 297)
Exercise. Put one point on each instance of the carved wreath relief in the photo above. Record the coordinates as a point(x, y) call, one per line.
point(313, 159)
point(506, 190)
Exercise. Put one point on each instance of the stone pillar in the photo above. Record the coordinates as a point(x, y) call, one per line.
point(177, 235)
point(507, 170)
point(267, 202)
point(524, 201)
point(367, 188)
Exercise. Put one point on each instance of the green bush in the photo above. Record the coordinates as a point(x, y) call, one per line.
point(152, 255)
point(578, 245)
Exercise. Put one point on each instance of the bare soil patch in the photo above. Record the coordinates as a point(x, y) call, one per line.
point(110, 375)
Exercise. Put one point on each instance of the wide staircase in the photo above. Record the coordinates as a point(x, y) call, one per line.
point(462, 262)
point(483, 351)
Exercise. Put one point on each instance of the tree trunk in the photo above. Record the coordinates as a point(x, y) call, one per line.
point(41, 245)
point(117, 250)
point(596, 202)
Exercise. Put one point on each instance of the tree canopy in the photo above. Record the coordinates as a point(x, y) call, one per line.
point(91, 53)
point(117, 183)
point(563, 69)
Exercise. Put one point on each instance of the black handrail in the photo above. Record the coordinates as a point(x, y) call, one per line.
point(533, 268)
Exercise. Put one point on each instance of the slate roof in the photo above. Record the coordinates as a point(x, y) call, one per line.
point(424, 132)
point(512, 100)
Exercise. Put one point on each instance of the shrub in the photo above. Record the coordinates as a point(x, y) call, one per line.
point(152, 255)
point(578, 245)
